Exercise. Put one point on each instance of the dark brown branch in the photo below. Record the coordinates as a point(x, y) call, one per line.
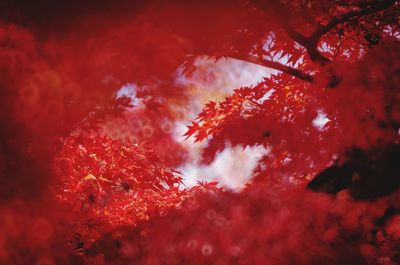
point(310, 43)
point(374, 7)
point(306, 42)
point(274, 65)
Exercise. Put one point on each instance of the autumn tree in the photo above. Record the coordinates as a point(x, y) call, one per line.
point(88, 175)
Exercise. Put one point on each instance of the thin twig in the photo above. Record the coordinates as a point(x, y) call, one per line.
point(274, 65)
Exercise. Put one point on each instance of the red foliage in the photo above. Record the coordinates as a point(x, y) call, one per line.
point(109, 184)
point(259, 226)
point(74, 191)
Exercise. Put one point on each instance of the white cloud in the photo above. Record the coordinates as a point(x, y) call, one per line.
point(321, 120)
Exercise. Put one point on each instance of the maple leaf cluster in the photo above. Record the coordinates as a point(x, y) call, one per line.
point(87, 178)
point(289, 225)
point(113, 184)
point(280, 113)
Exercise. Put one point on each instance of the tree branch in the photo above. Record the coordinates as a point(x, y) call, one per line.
point(310, 43)
point(306, 42)
point(374, 7)
point(274, 65)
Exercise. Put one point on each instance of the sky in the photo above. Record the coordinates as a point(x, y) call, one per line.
point(213, 80)
point(232, 167)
